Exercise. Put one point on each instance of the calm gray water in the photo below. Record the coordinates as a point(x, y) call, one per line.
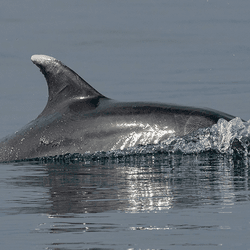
point(187, 52)
point(153, 202)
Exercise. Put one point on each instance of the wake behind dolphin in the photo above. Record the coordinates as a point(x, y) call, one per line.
point(78, 119)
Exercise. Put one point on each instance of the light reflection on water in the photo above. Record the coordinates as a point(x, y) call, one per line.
point(140, 183)
point(167, 194)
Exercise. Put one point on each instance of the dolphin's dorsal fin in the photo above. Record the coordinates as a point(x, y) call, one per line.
point(63, 83)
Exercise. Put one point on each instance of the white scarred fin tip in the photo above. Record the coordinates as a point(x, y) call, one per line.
point(41, 59)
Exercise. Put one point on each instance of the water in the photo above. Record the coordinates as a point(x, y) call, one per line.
point(150, 202)
point(193, 53)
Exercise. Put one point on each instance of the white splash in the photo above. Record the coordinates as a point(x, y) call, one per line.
point(147, 134)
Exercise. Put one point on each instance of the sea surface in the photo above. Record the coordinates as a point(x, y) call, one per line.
point(194, 195)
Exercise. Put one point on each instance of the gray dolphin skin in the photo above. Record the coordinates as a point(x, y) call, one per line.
point(78, 119)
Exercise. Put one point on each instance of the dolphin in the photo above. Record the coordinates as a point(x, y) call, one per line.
point(79, 119)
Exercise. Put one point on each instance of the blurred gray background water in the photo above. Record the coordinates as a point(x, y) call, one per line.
point(194, 53)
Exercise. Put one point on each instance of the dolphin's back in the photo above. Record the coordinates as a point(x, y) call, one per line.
point(78, 119)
